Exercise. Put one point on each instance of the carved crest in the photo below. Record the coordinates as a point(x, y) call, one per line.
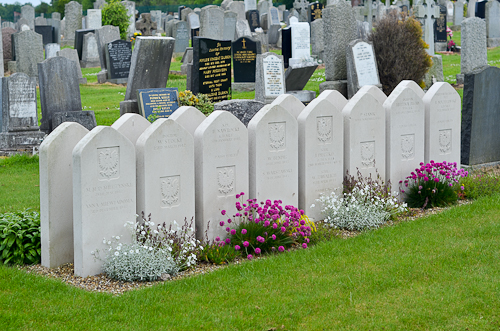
point(368, 154)
point(408, 146)
point(324, 127)
point(170, 190)
point(225, 179)
point(277, 135)
point(109, 159)
point(445, 141)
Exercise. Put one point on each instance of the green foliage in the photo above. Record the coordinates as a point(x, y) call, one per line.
point(59, 6)
point(115, 13)
point(200, 101)
point(479, 185)
point(400, 51)
point(217, 253)
point(20, 237)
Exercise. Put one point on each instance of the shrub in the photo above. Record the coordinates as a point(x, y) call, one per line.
point(400, 51)
point(20, 237)
point(432, 185)
point(365, 203)
point(200, 101)
point(115, 13)
point(475, 186)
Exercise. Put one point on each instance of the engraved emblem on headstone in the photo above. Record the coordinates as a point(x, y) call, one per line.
point(368, 154)
point(170, 190)
point(109, 162)
point(324, 127)
point(408, 146)
point(225, 179)
point(445, 141)
point(277, 135)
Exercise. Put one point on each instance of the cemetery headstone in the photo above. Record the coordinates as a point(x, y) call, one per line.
point(315, 11)
point(156, 17)
point(250, 5)
point(286, 45)
point(302, 7)
point(28, 13)
point(243, 109)
point(73, 19)
point(158, 102)
point(130, 6)
point(263, 6)
point(73, 56)
point(239, 8)
point(317, 38)
point(481, 9)
point(185, 13)
point(335, 97)
point(492, 16)
point(428, 12)
point(103, 36)
point(440, 35)
point(145, 25)
point(471, 8)
point(84, 118)
point(253, 19)
point(90, 54)
point(212, 23)
point(47, 33)
point(189, 117)
point(361, 66)
point(28, 52)
point(293, 105)
point(301, 44)
point(51, 50)
point(269, 77)
point(131, 126)
point(243, 29)
point(245, 52)
point(479, 132)
point(194, 21)
point(473, 53)
point(79, 40)
point(94, 19)
point(212, 68)
point(118, 60)
point(230, 18)
point(7, 45)
point(182, 36)
point(99, 4)
point(274, 25)
point(458, 12)
point(56, 24)
point(40, 21)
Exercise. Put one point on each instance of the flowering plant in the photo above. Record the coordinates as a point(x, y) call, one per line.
point(200, 101)
point(432, 185)
point(265, 227)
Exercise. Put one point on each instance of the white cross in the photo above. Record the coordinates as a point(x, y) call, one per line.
point(429, 13)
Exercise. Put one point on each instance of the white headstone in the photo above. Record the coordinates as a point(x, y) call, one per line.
point(442, 123)
point(321, 153)
point(131, 126)
point(56, 193)
point(189, 117)
point(250, 5)
point(165, 172)
point(94, 19)
point(290, 103)
point(269, 77)
point(221, 166)
point(375, 92)
point(103, 195)
point(361, 66)
point(405, 119)
point(364, 135)
point(301, 40)
point(335, 97)
point(414, 86)
point(273, 150)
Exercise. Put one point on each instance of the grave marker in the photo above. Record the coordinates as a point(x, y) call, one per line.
point(189, 117)
point(212, 23)
point(473, 53)
point(315, 11)
point(245, 52)
point(131, 126)
point(361, 66)
point(28, 52)
point(105, 35)
point(73, 19)
point(269, 78)
point(253, 19)
point(159, 102)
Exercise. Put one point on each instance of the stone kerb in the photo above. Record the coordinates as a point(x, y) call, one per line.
point(293, 105)
point(405, 122)
point(221, 169)
point(364, 135)
point(273, 150)
point(165, 173)
point(131, 126)
point(442, 123)
point(189, 117)
point(321, 154)
point(56, 193)
point(104, 195)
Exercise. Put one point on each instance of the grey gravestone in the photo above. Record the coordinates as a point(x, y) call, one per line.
point(301, 6)
point(243, 29)
point(47, 33)
point(263, 6)
point(99, 4)
point(156, 17)
point(145, 25)
point(40, 21)
point(51, 50)
point(187, 59)
point(56, 24)
point(244, 110)
point(84, 118)
point(212, 23)
point(79, 40)
point(181, 34)
point(185, 13)
point(250, 5)
point(473, 54)
point(194, 21)
point(90, 55)
point(274, 25)
point(18, 117)
point(435, 73)
point(492, 16)
point(149, 68)
point(94, 19)
point(73, 19)
point(20, 23)
point(239, 8)
point(440, 35)
point(28, 52)
point(297, 78)
point(458, 12)
point(361, 67)
point(253, 19)
point(103, 36)
point(59, 89)
point(7, 45)
point(480, 141)
point(130, 6)
point(230, 18)
point(317, 38)
point(118, 60)
point(72, 55)
point(428, 12)
point(28, 13)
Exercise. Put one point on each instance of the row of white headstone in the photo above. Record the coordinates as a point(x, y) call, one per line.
point(190, 165)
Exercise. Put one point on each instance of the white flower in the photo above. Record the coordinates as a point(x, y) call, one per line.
point(124, 253)
point(118, 248)
point(104, 241)
point(313, 205)
point(109, 242)
point(137, 251)
point(150, 248)
point(117, 237)
point(92, 252)
point(116, 253)
point(132, 251)
point(143, 233)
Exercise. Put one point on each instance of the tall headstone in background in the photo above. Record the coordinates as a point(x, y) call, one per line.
point(94, 19)
point(130, 6)
point(269, 77)
point(28, 13)
point(90, 54)
point(253, 19)
point(40, 21)
point(72, 55)
point(471, 8)
point(230, 18)
point(56, 24)
point(28, 51)
point(263, 6)
point(243, 29)
point(361, 66)
point(145, 25)
point(212, 23)
point(473, 53)
point(301, 44)
point(250, 5)
point(239, 8)
point(440, 35)
point(99, 4)
point(245, 52)
point(181, 34)
point(492, 16)
point(315, 11)
point(105, 35)
point(317, 38)
point(274, 25)
point(73, 18)
point(428, 12)
point(156, 17)
point(458, 12)
point(47, 33)
point(51, 50)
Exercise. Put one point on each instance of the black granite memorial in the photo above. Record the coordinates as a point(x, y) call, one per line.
point(211, 72)
point(440, 35)
point(85, 118)
point(194, 33)
point(245, 52)
point(79, 40)
point(118, 59)
point(253, 19)
point(481, 9)
point(286, 45)
point(315, 11)
point(47, 33)
point(158, 102)
point(179, 9)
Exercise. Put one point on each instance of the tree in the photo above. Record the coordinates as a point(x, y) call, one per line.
point(115, 13)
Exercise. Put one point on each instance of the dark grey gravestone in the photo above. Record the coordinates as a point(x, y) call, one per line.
point(56, 24)
point(245, 52)
point(286, 45)
point(59, 89)
point(244, 110)
point(149, 68)
point(73, 56)
point(440, 35)
point(47, 33)
point(253, 19)
point(103, 36)
point(297, 78)
point(315, 11)
point(79, 40)
point(85, 118)
point(118, 60)
point(28, 52)
point(480, 141)
point(481, 9)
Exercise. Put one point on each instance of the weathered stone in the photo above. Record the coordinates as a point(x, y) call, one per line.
point(94, 19)
point(90, 55)
point(105, 35)
point(73, 19)
point(361, 66)
point(73, 56)
point(7, 45)
point(28, 13)
point(146, 25)
point(28, 52)
point(473, 53)
point(244, 110)
point(84, 118)
point(230, 18)
point(269, 77)
point(435, 73)
point(492, 16)
point(212, 23)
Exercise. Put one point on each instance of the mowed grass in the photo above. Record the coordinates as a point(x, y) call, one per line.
point(440, 272)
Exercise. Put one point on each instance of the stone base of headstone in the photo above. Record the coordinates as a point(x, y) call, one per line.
point(82, 80)
point(117, 80)
point(493, 42)
point(440, 47)
point(336, 85)
point(242, 87)
point(304, 96)
point(102, 76)
point(455, 27)
point(12, 66)
point(435, 73)
point(21, 140)
point(90, 64)
point(85, 118)
point(460, 79)
point(296, 78)
point(129, 106)
point(244, 110)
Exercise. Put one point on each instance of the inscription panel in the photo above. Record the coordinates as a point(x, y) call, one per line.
point(407, 147)
point(368, 154)
point(364, 61)
point(225, 180)
point(273, 76)
point(445, 141)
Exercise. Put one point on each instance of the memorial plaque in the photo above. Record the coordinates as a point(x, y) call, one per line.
point(253, 19)
point(118, 58)
point(47, 33)
point(212, 68)
point(244, 59)
point(315, 11)
point(286, 45)
point(161, 102)
point(273, 76)
point(440, 26)
point(364, 62)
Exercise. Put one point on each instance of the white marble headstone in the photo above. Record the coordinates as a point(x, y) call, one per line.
point(273, 76)
point(335, 97)
point(293, 105)
point(189, 117)
point(301, 40)
point(364, 61)
point(131, 126)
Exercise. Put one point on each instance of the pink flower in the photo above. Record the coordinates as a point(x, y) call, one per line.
point(246, 243)
point(426, 178)
point(228, 240)
point(223, 212)
point(274, 236)
point(249, 256)
point(281, 249)
point(217, 238)
point(304, 245)
point(221, 223)
point(244, 231)
point(266, 223)
point(228, 229)
point(257, 250)
point(283, 229)
point(233, 232)
point(237, 247)
point(436, 179)
point(275, 226)
point(260, 239)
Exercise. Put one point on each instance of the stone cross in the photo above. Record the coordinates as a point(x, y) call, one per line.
point(368, 12)
point(428, 12)
point(145, 25)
